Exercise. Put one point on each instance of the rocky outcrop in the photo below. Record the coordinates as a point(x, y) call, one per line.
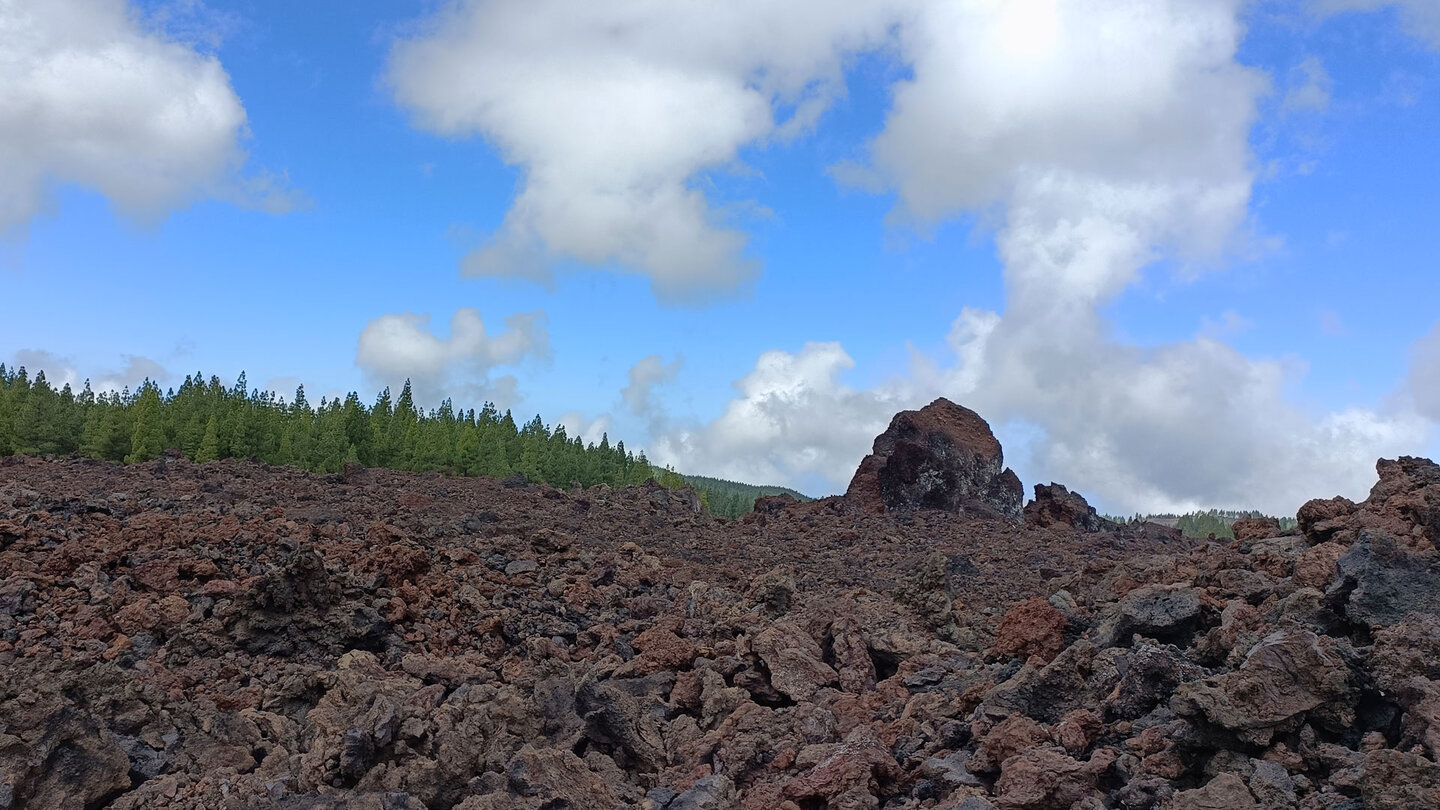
point(1054, 505)
point(942, 456)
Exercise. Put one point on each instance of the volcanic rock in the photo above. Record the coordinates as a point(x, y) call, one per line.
point(1225, 792)
point(1395, 780)
point(1158, 611)
point(1380, 583)
point(1320, 519)
point(1255, 528)
point(794, 661)
point(1287, 673)
point(1033, 627)
point(234, 636)
point(1054, 505)
point(942, 456)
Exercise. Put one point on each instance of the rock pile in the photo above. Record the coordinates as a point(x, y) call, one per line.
point(233, 636)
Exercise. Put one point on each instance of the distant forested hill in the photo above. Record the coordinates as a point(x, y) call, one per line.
point(1203, 524)
point(206, 421)
point(731, 499)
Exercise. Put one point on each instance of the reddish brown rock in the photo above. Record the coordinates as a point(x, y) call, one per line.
point(1316, 567)
point(853, 664)
point(1044, 778)
point(1396, 780)
point(1225, 792)
point(1077, 731)
point(1033, 627)
point(1055, 505)
point(1287, 673)
point(794, 660)
point(1255, 528)
point(942, 456)
point(1013, 735)
point(1320, 519)
point(853, 768)
point(1406, 666)
point(552, 778)
point(234, 635)
point(661, 649)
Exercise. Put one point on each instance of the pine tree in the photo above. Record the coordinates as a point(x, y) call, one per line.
point(244, 438)
point(7, 414)
point(106, 433)
point(398, 449)
point(330, 448)
point(34, 407)
point(285, 451)
point(147, 440)
point(209, 449)
point(357, 428)
point(529, 465)
point(467, 451)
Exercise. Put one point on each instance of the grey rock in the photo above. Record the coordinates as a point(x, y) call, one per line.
point(952, 770)
point(714, 792)
point(1380, 583)
point(521, 567)
point(1271, 784)
point(1163, 612)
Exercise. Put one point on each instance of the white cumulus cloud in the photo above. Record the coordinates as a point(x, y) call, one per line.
point(795, 421)
point(1102, 136)
point(90, 96)
point(615, 110)
point(396, 347)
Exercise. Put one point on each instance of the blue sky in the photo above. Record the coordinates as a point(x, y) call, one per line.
point(1179, 253)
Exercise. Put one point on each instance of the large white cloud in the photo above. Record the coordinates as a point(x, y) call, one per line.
point(89, 96)
point(614, 111)
point(1420, 17)
point(794, 422)
point(1103, 136)
point(396, 347)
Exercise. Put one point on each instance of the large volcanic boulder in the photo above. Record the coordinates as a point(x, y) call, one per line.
point(942, 456)
point(1054, 505)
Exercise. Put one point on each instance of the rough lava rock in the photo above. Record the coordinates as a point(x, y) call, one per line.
point(1054, 505)
point(1255, 528)
point(230, 635)
point(942, 456)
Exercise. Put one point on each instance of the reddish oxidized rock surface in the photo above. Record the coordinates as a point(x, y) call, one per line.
point(232, 636)
point(942, 456)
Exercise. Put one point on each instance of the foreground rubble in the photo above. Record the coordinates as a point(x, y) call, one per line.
point(231, 636)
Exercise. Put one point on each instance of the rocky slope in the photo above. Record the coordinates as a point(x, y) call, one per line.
point(231, 636)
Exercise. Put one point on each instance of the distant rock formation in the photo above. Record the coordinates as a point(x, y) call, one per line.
point(942, 456)
point(1054, 505)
